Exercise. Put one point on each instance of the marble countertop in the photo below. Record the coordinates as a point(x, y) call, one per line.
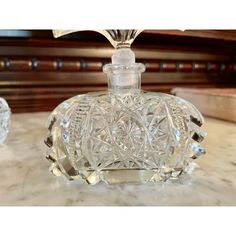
point(25, 179)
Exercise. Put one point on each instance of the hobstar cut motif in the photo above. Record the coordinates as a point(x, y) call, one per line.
point(98, 133)
point(124, 134)
point(4, 119)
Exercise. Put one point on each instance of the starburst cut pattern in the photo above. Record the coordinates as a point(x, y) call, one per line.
point(103, 132)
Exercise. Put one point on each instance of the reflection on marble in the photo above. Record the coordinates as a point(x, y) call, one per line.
point(25, 179)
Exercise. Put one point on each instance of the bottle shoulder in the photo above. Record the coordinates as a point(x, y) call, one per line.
point(101, 100)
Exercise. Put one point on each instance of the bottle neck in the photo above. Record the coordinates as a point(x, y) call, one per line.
point(124, 75)
point(123, 80)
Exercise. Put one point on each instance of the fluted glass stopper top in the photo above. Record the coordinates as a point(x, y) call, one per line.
point(118, 38)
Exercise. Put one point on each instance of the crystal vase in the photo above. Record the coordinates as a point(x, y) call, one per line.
point(4, 119)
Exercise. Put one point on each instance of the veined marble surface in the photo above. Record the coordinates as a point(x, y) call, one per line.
point(25, 180)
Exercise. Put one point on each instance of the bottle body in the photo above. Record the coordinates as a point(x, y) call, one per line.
point(126, 137)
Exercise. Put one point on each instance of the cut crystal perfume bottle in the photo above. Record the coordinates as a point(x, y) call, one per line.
point(124, 135)
point(4, 119)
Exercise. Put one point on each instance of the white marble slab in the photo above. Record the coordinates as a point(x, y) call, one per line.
point(25, 180)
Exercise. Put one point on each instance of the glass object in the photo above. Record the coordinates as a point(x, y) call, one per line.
point(4, 119)
point(124, 135)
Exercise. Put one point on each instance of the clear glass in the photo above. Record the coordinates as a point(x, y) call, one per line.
point(118, 38)
point(124, 135)
point(4, 119)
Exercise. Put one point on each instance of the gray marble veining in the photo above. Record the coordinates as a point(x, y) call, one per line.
point(25, 179)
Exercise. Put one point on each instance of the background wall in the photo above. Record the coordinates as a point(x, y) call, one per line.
point(37, 72)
